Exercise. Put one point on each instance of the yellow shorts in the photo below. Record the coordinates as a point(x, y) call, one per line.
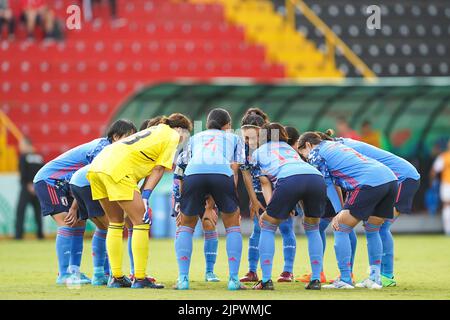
point(103, 186)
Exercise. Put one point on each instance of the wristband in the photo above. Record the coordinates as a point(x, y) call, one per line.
point(146, 194)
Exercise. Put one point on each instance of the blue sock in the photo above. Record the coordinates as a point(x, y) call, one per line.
point(130, 251)
point(253, 246)
point(183, 249)
point(106, 266)
point(343, 249)
point(387, 261)
point(374, 249)
point(63, 249)
point(353, 243)
point(234, 250)
point(210, 248)
point(267, 249)
point(315, 249)
point(323, 225)
point(289, 244)
point(77, 249)
point(99, 251)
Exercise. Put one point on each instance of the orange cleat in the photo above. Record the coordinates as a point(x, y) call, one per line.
point(306, 278)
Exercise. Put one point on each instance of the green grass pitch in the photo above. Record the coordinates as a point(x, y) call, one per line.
point(28, 271)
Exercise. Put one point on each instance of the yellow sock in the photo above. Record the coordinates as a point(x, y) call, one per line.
point(114, 247)
point(139, 246)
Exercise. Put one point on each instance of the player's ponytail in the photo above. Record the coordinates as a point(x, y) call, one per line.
point(177, 120)
point(273, 132)
point(311, 137)
point(120, 128)
point(327, 135)
point(150, 123)
point(293, 135)
point(217, 119)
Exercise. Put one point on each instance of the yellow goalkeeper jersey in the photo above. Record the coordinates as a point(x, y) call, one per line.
point(138, 154)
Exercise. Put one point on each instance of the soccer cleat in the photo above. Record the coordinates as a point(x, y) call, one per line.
point(152, 279)
point(99, 280)
point(122, 282)
point(286, 277)
point(388, 282)
point(251, 276)
point(182, 284)
point(306, 278)
point(338, 284)
point(235, 284)
point(313, 285)
point(268, 285)
point(211, 277)
point(353, 279)
point(145, 283)
point(62, 279)
point(369, 284)
point(84, 279)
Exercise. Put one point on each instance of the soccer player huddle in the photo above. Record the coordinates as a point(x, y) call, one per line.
point(312, 176)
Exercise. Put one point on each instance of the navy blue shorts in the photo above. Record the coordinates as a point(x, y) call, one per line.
point(53, 199)
point(372, 201)
point(197, 186)
point(405, 196)
point(329, 210)
point(87, 208)
point(309, 188)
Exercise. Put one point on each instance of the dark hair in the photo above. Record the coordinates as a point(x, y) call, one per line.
point(217, 118)
point(293, 135)
point(259, 112)
point(176, 120)
point(366, 123)
point(252, 120)
point(327, 135)
point(311, 137)
point(121, 128)
point(271, 130)
point(150, 123)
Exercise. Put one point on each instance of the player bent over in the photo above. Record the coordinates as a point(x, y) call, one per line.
point(114, 177)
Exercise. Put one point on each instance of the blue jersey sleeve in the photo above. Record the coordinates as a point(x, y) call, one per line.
point(319, 163)
point(90, 155)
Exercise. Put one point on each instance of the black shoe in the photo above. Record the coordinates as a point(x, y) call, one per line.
point(145, 283)
point(313, 285)
point(122, 282)
point(260, 285)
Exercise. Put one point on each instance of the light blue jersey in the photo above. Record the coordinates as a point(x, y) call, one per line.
point(279, 160)
point(401, 168)
point(348, 168)
point(61, 169)
point(213, 151)
point(79, 178)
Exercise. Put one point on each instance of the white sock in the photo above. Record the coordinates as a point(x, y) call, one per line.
point(446, 219)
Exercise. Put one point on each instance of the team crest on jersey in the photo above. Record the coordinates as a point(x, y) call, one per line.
point(64, 201)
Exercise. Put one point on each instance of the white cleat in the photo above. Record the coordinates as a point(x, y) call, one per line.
point(338, 284)
point(369, 284)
